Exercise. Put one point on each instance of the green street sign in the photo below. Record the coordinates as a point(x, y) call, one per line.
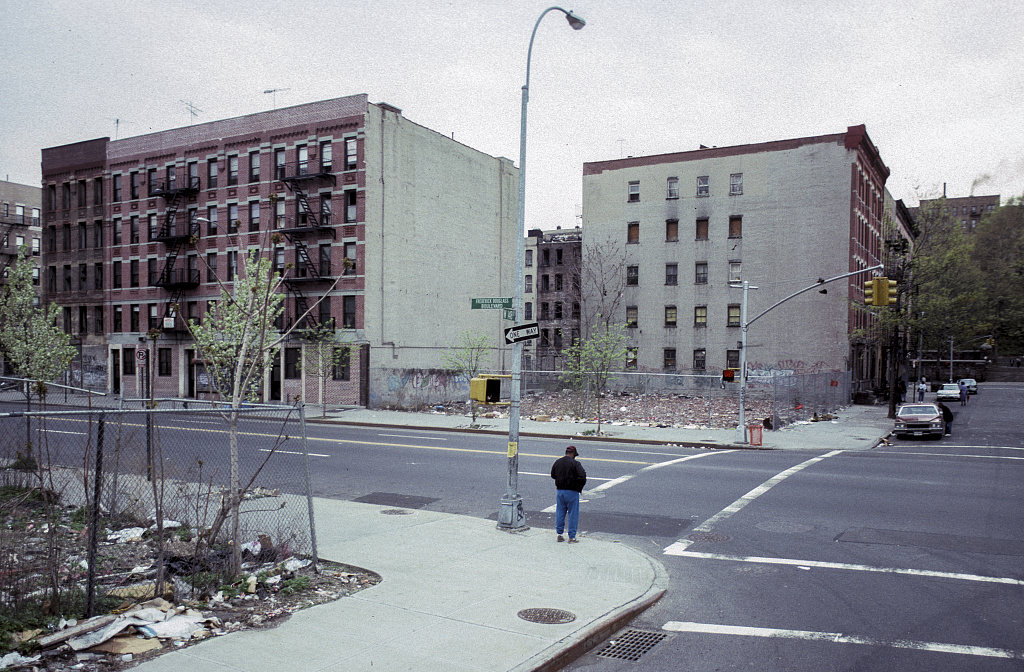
point(491, 303)
point(508, 314)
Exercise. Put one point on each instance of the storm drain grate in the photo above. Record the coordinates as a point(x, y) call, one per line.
point(631, 645)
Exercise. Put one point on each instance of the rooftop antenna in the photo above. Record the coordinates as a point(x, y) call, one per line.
point(273, 92)
point(117, 125)
point(193, 111)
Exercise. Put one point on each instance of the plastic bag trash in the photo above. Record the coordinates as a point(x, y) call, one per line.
point(127, 534)
point(176, 627)
point(253, 547)
point(294, 564)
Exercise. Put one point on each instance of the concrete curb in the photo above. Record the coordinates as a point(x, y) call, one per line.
point(569, 649)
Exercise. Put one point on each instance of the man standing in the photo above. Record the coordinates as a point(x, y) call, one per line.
point(947, 417)
point(963, 393)
point(570, 477)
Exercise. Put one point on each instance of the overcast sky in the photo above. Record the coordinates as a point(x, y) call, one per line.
point(939, 83)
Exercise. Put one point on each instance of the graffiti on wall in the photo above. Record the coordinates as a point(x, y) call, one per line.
point(786, 367)
point(413, 388)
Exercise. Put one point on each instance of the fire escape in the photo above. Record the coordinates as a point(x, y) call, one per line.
point(10, 227)
point(177, 233)
point(307, 270)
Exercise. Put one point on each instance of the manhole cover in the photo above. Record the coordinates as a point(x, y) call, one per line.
point(708, 536)
point(396, 512)
point(631, 644)
point(547, 616)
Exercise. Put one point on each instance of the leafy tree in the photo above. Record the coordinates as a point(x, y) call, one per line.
point(466, 357)
point(321, 354)
point(32, 343)
point(591, 363)
point(999, 257)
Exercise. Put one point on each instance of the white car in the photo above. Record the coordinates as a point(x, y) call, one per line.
point(948, 392)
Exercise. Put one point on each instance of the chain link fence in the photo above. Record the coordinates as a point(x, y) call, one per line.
point(104, 504)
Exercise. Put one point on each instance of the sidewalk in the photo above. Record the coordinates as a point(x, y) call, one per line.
point(854, 428)
point(451, 591)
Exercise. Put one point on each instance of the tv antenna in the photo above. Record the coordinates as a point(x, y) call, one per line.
point(273, 92)
point(117, 125)
point(193, 111)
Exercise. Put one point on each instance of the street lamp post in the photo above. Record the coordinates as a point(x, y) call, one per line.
point(510, 512)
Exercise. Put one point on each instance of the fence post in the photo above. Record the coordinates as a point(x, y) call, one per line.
point(309, 488)
point(94, 523)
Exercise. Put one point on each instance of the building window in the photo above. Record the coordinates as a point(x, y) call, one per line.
point(133, 186)
point(732, 359)
point(672, 188)
point(97, 325)
point(291, 363)
point(115, 275)
point(351, 213)
point(545, 283)
point(671, 230)
point(279, 164)
point(632, 275)
point(163, 361)
point(193, 175)
point(83, 237)
point(232, 170)
point(700, 276)
point(133, 230)
point(702, 229)
point(545, 257)
point(529, 258)
point(558, 257)
point(232, 217)
point(97, 236)
point(736, 184)
point(351, 149)
point(631, 316)
point(558, 339)
point(325, 260)
point(116, 189)
point(326, 156)
point(670, 316)
point(669, 359)
point(151, 272)
point(342, 369)
point(558, 282)
point(128, 361)
point(211, 220)
point(545, 310)
point(528, 310)
point(153, 227)
point(558, 310)
point(734, 315)
point(631, 357)
point(703, 186)
point(66, 237)
point(254, 215)
point(348, 312)
point(633, 192)
point(324, 313)
point(97, 276)
point(133, 273)
point(671, 274)
point(211, 267)
point(35, 277)
point(232, 265)
point(735, 270)
point(280, 219)
point(83, 277)
point(172, 176)
point(633, 232)
point(116, 326)
point(67, 277)
point(700, 316)
point(133, 319)
point(736, 226)
point(699, 359)
point(254, 166)
point(528, 284)
point(211, 174)
point(545, 338)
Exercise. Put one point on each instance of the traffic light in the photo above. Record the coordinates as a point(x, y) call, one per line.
point(728, 375)
point(869, 293)
point(893, 290)
point(485, 390)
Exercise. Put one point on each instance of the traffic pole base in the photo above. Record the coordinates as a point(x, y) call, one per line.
point(511, 516)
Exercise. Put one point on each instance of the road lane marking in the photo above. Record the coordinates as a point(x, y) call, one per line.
point(59, 431)
point(840, 638)
point(611, 483)
point(746, 499)
point(842, 565)
point(292, 452)
point(414, 436)
point(980, 457)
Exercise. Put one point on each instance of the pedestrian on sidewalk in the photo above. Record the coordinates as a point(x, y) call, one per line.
point(963, 393)
point(922, 387)
point(570, 477)
point(947, 417)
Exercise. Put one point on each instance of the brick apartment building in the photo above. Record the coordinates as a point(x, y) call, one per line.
point(968, 210)
point(20, 207)
point(778, 214)
point(551, 294)
point(365, 207)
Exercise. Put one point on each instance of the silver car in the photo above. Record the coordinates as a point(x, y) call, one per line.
point(921, 419)
point(971, 383)
point(948, 392)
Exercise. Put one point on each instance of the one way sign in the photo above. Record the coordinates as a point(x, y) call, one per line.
point(522, 332)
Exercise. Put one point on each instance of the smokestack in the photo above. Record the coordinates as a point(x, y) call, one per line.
point(943, 189)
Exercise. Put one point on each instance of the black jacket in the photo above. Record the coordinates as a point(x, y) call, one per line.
point(568, 474)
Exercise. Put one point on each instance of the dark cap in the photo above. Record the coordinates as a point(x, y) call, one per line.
point(571, 450)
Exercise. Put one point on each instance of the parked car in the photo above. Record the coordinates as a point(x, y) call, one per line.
point(919, 420)
point(948, 392)
point(971, 383)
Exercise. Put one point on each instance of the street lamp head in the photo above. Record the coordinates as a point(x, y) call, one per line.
point(575, 21)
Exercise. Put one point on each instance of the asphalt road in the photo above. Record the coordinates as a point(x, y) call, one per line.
point(907, 557)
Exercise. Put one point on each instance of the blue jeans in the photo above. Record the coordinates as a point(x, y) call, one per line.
point(567, 501)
